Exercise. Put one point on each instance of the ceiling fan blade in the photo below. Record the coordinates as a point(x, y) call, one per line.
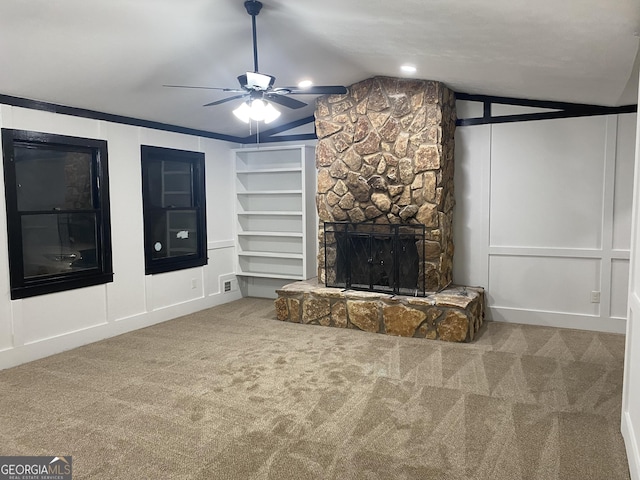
point(224, 100)
point(319, 90)
point(205, 88)
point(285, 101)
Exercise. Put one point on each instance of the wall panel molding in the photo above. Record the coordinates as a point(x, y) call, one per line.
point(490, 253)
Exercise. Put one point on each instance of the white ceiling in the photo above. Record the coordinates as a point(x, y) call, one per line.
point(114, 56)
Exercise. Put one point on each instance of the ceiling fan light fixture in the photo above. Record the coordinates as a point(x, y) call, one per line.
point(270, 113)
point(243, 112)
point(257, 110)
point(258, 107)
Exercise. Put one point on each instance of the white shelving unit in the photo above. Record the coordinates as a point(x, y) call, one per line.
point(275, 212)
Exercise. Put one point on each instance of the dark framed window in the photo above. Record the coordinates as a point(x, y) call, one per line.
point(58, 223)
point(173, 198)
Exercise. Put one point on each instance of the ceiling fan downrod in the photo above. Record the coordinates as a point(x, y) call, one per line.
point(253, 8)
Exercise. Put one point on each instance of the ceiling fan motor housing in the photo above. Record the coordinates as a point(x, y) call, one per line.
point(253, 7)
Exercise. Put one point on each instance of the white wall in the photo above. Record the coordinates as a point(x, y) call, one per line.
point(631, 386)
point(39, 326)
point(543, 218)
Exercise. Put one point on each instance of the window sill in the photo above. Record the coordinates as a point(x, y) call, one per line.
point(61, 285)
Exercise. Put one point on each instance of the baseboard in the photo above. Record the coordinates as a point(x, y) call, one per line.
point(557, 319)
point(631, 445)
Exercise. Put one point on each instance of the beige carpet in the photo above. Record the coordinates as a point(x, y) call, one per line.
point(230, 393)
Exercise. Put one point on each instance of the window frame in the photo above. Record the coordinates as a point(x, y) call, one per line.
point(20, 286)
point(150, 153)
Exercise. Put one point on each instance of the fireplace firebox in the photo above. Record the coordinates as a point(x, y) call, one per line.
point(375, 257)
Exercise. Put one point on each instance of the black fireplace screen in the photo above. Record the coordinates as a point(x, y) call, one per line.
point(374, 257)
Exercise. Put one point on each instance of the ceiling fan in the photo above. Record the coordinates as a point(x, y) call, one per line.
point(258, 87)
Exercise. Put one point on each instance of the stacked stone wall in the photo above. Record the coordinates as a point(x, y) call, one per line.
point(385, 154)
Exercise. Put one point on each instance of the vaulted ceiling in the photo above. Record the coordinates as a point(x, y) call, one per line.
point(114, 56)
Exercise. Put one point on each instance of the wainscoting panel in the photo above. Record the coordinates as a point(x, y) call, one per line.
point(623, 187)
point(48, 316)
point(542, 217)
point(554, 284)
point(547, 183)
point(619, 288)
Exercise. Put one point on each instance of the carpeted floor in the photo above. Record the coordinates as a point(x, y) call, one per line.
point(230, 393)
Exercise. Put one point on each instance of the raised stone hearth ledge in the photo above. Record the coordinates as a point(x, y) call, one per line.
point(454, 314)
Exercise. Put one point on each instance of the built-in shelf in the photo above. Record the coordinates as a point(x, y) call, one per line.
point(275, 212)
point(273, 275)
point(271, 192)
point(268, 212)
point(270, 234)
point(267, 170)
point(270, 254)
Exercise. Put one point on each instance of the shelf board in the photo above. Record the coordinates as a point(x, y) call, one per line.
point(271, 212)
point(270, 192)
point(295, 256)
point(270, 234)
point(269, 170)
point(270, 275)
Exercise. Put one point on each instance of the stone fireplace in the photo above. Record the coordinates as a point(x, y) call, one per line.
point(385, 154)
point(385, 157)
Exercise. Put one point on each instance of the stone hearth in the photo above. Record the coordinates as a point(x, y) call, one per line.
point(454, 314)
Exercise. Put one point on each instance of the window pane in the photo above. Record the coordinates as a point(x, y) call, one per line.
point(175, 233)
point(169, 183)
point(49, 179)
point(58, 243)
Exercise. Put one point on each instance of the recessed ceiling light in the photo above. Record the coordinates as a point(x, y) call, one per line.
point(305, 84)
point(408, 69)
